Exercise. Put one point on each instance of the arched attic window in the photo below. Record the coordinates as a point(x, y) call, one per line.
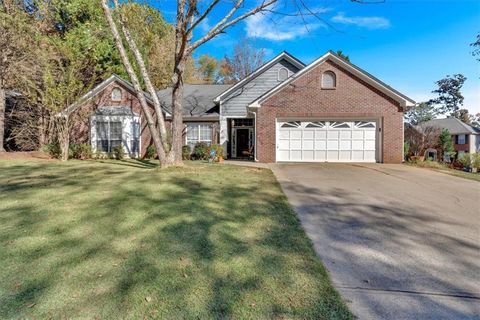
point(329, 80)
point(282, 74)
point(116, 94)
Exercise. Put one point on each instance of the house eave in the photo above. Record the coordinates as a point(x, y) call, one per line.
point(404, 102)
point(284, 55)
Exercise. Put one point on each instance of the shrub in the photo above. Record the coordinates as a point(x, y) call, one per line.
point(118, 153)
point(476, 160)
point(186, 152)
point(53, 149)
point(81, 151)
point(150, 153)
point(200, 151)
point(218, 151)
point(466, 160)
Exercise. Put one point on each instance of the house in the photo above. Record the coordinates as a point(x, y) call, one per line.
point(329, 110)
point(466, 138)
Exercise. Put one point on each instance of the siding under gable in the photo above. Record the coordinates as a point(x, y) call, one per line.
point(235, 105)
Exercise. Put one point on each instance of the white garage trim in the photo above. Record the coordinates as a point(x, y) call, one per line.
point(341, 140)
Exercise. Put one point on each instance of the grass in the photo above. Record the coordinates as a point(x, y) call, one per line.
point(124, 240)
point(437, 166)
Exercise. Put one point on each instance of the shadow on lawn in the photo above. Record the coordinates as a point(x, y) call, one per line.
point(197, 247)
point(346, 230)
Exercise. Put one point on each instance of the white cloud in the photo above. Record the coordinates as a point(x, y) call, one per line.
point(364, 22)
point(279, 29)
point(204, 25)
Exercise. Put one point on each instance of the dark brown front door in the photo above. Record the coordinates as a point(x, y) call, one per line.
point(243, 142)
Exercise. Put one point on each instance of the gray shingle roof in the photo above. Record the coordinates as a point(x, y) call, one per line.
point(197, 99)
point(453, 125)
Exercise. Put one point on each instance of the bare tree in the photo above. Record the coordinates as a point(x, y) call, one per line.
point(246, 58)
point(188, 18)
point(421, 138)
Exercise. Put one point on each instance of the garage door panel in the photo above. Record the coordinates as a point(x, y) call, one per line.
point(327, 141)
point(370, 134)
point(320, 134)
point(284, 134)
point(296, 155)
point(333, 135)
point(308, 155)
point(308, 144)
point(369, 144)
point(332, 155)
point(370, 155)
point(295, 144)
point(345, 155)
point(320, 156)
point(345, 134)
point(308, 134)
point(284, 144)
point(321, 145)
point(295, 134)
point(345, 145)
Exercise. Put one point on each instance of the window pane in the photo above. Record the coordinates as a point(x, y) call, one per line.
point(115, 131)
point(461, 139)
point(102, 145)
point(102, 130)
point(205, 132)
point(328, 80)
point(136, 129)
point(192, 131)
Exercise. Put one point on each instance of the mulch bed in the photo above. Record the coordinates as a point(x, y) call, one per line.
point(24, 155)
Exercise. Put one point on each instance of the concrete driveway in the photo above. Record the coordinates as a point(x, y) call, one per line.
point(399, 242)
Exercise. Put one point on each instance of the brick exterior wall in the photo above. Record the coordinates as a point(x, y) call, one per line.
point(80, 119)
point(352, 98)
point(80, 132)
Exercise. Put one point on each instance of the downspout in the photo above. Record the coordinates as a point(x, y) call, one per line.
point(255, 136)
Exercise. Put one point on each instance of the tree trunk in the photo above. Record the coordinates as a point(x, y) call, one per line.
point(2, 117)
point(136, 84)
point(63, 134)
point(177, 120)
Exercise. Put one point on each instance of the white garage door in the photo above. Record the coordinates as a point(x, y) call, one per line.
point(333, 141)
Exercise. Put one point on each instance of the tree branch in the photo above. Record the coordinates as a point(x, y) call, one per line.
point(224, 23)
point(203, 16)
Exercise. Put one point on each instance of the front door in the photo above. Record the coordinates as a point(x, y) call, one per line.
point(243, 142)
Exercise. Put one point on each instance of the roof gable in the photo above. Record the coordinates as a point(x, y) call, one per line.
point(453, 125)
point(403, 100)
point(284, 55)
point(102, 86)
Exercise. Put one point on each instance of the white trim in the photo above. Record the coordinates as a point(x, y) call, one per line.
point(378, 135)
point(283, 55)
point(360, 73)
point(127, 132)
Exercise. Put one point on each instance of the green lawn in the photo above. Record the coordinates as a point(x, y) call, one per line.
point(122, 239)
point(440, 167)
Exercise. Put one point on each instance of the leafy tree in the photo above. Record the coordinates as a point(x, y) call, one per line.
point(445, 145)
point(207, 68)
point(421, 138)
point(422, 112)
point(464, 115)
point(450, 98)
point(342, 55)
point(476, 47)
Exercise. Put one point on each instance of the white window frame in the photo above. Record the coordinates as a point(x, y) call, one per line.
point(334, 79)
point(463, 140)
point(193, 142)
point(127, 132)
point(116, 89)
point(278, 74)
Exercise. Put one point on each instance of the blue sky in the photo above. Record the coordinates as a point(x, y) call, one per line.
point(408, 44)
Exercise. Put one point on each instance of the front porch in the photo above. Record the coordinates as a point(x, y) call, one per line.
point(241, 139)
